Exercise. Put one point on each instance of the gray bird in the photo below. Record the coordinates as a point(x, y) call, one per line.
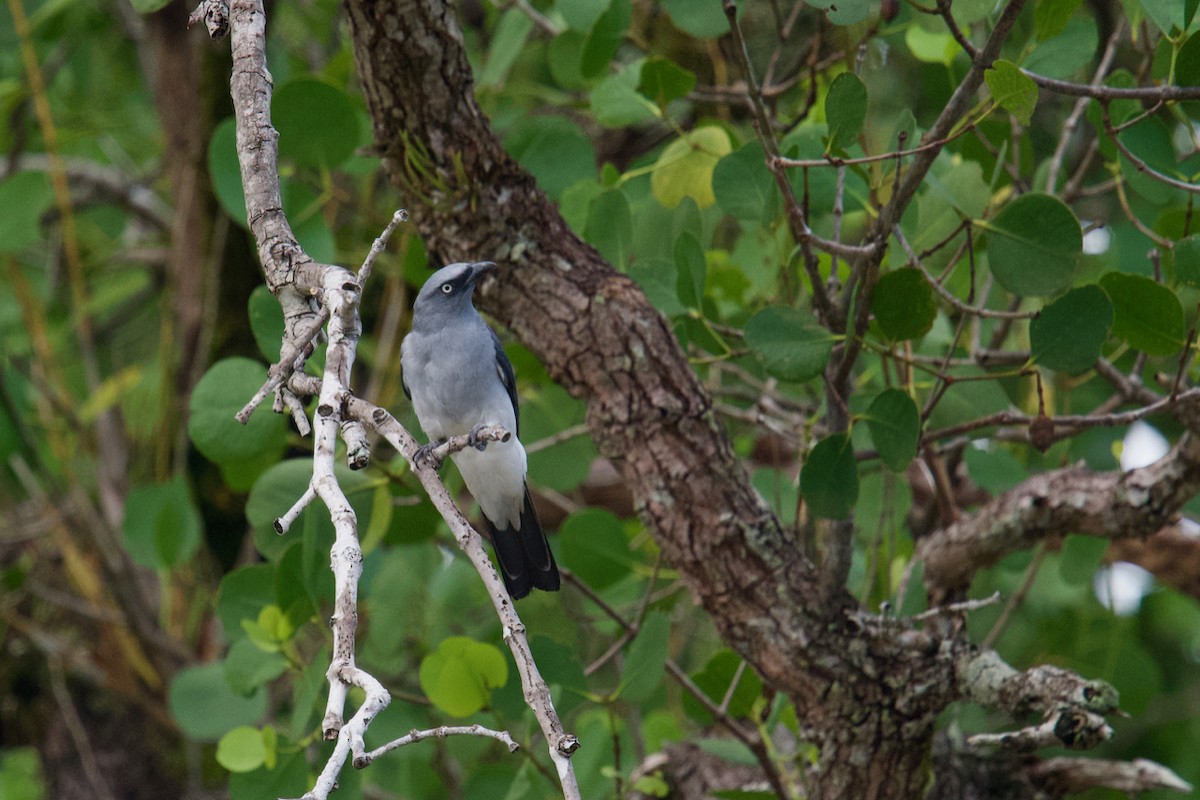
point(459, 380)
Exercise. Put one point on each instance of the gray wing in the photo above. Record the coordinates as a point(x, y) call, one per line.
point(508, 378)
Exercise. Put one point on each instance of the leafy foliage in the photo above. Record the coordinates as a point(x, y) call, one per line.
point(1018, 268)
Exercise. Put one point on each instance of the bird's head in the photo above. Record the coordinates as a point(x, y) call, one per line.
point(450, 288)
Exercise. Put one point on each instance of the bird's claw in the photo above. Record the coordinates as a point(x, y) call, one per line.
point(473, 439)
point(425, 455)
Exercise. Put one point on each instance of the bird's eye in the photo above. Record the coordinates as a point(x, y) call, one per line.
point(447, 288)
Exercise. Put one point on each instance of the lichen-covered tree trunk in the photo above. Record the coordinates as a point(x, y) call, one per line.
point(869, 701)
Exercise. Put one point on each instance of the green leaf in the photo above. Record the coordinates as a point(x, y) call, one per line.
point(691, 270)
point(563, 56)
point(662, 80)
point(1147, 315)
point(845, 111)
point(24, 197)
point(1033, 245)
point(303, 209)
point(996, 471)
point(266, 322)
point(903, 304)
point(460, 675)
point(616, 101)
point(296, 107)
point(1068, 334)
point(554, 150)
point(609, 227)
point(508, 40)
point(715, 680)
point(659, 280)
point(1067, 53)
point(1185, 256)
point(248, 667)
point(829, 478)
point(1050, 17)
point(242, 595)
point(791, 347)
point(895, 426)
point(162, 526)
point(219, 395)
point(685, 167)
point(1187, 62)
point(643, 672)
point(581, 15)
point(1012, 90)
point(704, 20)
point(242, 749)
point(205, 707)
point(1080, 557)
point(1168, 15)
point(743, 186)
point(21, 774)
point(606, 36)
point(545, 411)
point(287, 778)
point(594, 547)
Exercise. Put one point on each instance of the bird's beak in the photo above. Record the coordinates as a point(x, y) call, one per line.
point(482, 268)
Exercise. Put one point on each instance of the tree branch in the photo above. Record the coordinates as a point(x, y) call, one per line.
point(1110, 505)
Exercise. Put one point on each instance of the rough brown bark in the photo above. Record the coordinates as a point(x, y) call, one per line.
point(868, 701)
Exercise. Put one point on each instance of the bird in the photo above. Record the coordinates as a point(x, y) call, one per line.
point(459, 380)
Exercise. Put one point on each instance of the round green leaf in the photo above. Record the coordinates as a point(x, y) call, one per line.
point(685, 168)
point(1185, 255)
point(742, 184)
point(790, 346)
point(1033, 245)
point(460, 675)
point(829, 478)
point(594, 547)
point(1067, 335)
point(226, 172)
point(317, 124)
point(1147, 315)
point(243, 594)
point(903, 304)
point(162, 526)
point(643, 671)
point(205, 707)
point(662, 80)
point(554, 150)
point(609, 227)
point(845, 110)
point(266, 322)
point(248, 667)
point(616, 101)
point(544, 412)
point(242, 749)
point(288, 777)
point(701, 19)
point(23, 199)
point(895, 426)
point(219, 395)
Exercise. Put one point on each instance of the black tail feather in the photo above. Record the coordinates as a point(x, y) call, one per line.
point(524, 555)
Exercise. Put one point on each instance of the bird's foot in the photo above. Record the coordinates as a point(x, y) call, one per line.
point(425, 455)
point(473, 439)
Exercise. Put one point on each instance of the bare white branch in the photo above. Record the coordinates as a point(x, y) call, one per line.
point(1073, 775)
point(285, 522)
point(1070, 727)
point(441, 733)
